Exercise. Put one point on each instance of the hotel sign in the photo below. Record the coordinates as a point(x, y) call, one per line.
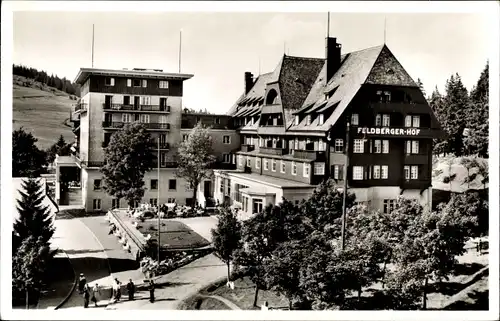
point(389, 131)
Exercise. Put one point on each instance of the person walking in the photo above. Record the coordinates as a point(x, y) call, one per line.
point(86, 296)
point(95, 294)
point(81, 283)
point(130, 289)
point(118, 290)
point(151, 291)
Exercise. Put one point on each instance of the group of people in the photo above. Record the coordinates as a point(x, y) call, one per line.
point(89, 294)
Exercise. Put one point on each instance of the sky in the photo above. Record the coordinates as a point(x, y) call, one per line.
point(219, 47)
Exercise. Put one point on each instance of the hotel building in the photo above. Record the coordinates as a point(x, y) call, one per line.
point(294, 123)
point(112, 98)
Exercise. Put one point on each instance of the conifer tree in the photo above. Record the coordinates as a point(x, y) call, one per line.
point(476, 141)
point(34, 218)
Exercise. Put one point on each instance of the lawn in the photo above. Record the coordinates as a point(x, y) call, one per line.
point(42, 113)
point(175, 235)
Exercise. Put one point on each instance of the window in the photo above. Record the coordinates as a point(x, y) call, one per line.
point(308, 120)
point(321, 119)
point(389, 206)
point(385, 146)
point(144, 119)
point(222, 180)
point(153, 201)
point(386, 120)
point(109, 81)
point(96, 204)
point(414, 147)
point(339, 145)
point(163, 84)
point(154, 184)
point(257, 206)
point(185, 137)
point(170, 200)
point(376, 172)
point(357, 173)
point(136, 82)
point(283, 167)
point(414, 172)
point(321, 145)
point(126, 118)
point(406, 172)
point(172, 184)
point(126, 100)
point(217, 120)
point(266, 164)
point(412, 121)
point(319, 168)
point(307, 169)
point(338, 172)
point(226, 158)
point(273, 165)
point(163, 119)
point(377, 146)
point(359, 146)
point(384, 96)
point(97, 184)
point(248, 162)
point(294, 168)
point(416, 121)
point(144, 83)
point(129, 82)
point(115, 203)
point(355, 119)
point(257, 163)
point(378, 120)
point(297, 119)
point(226, 139)
point(240, 161)
point(385, 171)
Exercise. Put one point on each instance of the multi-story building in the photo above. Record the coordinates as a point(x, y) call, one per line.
point(294, 123)
point(112, 98)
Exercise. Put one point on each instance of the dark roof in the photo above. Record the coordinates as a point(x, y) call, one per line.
point(257, 92)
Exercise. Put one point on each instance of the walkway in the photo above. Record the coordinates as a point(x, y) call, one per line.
point(178, 285)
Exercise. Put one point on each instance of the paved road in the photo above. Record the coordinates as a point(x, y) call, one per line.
point(85, 252)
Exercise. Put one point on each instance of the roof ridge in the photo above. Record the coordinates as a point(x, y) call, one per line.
point(304, 58)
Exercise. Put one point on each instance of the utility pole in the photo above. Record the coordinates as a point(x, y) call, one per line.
point(180, 49)
point(158, 203)
point(92, 46)
point(345, 187)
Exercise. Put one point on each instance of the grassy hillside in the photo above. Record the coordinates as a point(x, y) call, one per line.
point(41, 110)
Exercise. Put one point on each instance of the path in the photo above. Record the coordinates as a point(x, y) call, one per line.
point(230, 304)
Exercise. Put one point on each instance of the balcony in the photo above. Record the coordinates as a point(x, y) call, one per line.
point(135, 108)
point(273, 151)
point(399, 107)
point(247, 148)
point(309, 154)
point(416, 159)
point(92, 164)
point(415, 183)
point(118, 125)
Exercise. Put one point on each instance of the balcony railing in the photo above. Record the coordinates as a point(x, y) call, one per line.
point(117, 125)
point(81, 106)
point(131, 107)
point(415, 183)
point(416, 159)
point(92, 164)
point(273, 151)
point(308, 154)
point(247, 148)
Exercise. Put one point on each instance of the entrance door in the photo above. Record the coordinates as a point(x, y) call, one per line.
point(163, 104)
point(207, 189)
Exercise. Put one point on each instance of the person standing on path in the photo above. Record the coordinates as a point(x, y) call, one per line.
point(81, 283)
point(130, 289)
point(95, 294)
point(86, 296)
point(118, 290)
point(151, 291)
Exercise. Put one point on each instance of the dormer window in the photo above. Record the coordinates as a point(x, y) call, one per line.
point(355, 119)
point(297, 120)
point(272, 97)
point(308, 120)
point(321, 119)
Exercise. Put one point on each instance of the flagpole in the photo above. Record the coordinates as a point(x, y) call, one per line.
point(344, 209)
point(158, 203)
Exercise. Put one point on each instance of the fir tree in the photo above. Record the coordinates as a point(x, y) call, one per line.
point(456, 105)
point(34, 218)
point(436, 103)
point(476, 141)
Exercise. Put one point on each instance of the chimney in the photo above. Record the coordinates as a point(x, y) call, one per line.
point(248, 81)
point(333, 52)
